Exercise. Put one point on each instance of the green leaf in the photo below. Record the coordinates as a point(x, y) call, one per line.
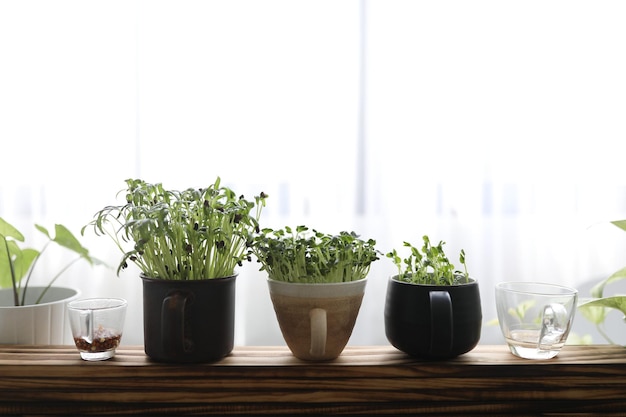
point(617, 302)
point(65, 238)
point(598, 289)
point(493, 322)
point(5, 265)
point(596, 309)
point(520, 310)
point(574, 339)
point(594, 314)
point(22, 259)
point(14, 262)
point(7, 230)
point(43, 230)
point(18, 263)
point(620, 223)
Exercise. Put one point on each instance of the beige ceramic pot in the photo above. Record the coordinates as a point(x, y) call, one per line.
point(316, 320)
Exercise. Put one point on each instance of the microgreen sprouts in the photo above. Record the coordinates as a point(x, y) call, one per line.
point(181, 235)
point(17, 263)
point(429, 266)
point(309, 256)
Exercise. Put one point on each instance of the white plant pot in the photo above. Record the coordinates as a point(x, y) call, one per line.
point(45, 323)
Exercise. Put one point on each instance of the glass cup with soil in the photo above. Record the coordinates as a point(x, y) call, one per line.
point(96, 325)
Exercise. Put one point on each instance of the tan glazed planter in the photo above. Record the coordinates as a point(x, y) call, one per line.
point(316, 320)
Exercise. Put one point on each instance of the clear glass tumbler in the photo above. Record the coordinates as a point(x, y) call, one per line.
point(97, 325)
point(535, 318)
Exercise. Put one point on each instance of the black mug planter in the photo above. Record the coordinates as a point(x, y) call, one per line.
point(188, 321)
point(433, 321)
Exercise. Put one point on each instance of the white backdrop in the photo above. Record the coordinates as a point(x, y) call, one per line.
point(496, 126)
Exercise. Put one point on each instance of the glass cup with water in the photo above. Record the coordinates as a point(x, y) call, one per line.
point(535, 318)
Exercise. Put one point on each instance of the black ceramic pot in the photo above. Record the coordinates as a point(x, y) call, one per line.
point(432, 321)
point(188, 321)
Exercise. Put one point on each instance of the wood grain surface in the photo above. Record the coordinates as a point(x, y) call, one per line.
point(377, 380)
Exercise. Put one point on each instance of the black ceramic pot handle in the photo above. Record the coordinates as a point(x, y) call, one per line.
point(441, 324)
point(172, 323)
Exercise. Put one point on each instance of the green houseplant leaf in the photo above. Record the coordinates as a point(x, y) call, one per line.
point(620, 223)
point(596, 311)
point(598, 290)
point(617, 302)
point(17, 264)
point(8, 231)
point(63, 237)
point(596, 308)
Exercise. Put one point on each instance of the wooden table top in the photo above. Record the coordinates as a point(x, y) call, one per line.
point(369, 380)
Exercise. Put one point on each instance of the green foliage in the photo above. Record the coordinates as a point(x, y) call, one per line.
point(596, 308)
point(430, 266)
point(620, 223)
point(181, 235)
point(520, 310)
point(309, 256)
point(17, 263)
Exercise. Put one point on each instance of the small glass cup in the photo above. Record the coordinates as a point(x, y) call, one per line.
point(97, 325)
point(535, 318)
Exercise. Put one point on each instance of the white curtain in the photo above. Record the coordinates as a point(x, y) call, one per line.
point(494, 126)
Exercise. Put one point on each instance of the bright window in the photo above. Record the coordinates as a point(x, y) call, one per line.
point(494, 126)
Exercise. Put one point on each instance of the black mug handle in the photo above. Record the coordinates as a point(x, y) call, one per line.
point(441, 323)
point(173, 324)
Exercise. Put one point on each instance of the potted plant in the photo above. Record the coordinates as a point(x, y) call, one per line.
point(34, 314)
point(316, 282)
point(598, 306)
point(187, 245)
point(432, 310)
